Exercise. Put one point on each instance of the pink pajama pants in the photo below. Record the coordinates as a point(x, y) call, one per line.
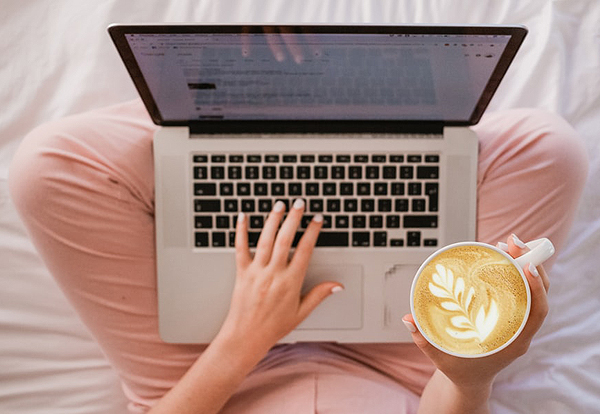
point(84, 188)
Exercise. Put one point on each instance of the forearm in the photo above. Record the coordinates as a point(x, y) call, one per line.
point(442, 396)
point(211, 380)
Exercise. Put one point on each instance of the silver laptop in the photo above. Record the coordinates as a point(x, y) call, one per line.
point(368, 124)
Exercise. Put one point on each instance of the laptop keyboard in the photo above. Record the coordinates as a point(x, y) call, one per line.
point(367, 200)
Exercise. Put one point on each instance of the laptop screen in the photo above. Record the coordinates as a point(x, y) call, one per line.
point(331, 73)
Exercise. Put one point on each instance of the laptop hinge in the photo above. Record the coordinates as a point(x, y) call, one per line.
point(328, 127)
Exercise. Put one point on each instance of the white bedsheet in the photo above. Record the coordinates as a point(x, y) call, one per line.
point(56, 59)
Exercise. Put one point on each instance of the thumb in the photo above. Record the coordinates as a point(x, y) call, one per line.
point(317, 295)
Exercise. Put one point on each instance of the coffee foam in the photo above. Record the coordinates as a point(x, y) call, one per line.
point(470, 300)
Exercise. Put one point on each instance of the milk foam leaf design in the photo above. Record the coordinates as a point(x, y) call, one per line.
point(464, 326)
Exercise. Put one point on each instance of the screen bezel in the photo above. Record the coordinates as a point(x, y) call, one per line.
point(118, 34)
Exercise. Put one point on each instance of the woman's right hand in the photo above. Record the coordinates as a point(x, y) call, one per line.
point(266, 303)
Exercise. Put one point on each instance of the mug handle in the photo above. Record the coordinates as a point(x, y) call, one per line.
point(540, 251)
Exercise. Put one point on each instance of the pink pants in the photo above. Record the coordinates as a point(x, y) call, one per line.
point(84, 188)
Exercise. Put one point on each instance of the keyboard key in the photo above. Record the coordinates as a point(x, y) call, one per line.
point(209, 206)
point(334, 205)
point(311, 189)
point(420, 221)
point(418, 204)
point(414, 188)
point(342, 222)
point(217, 158)
point(243, 189)
point(378, 158)
point(338, 172)
point(307, 158)
point(355, 172)
point(200, 158)
point(269, 172)
point(234, 172)
point(376, 222)
point(413, 158)
point(231, 205)
point(367, 204)
point(329, 189)
point(265, 205)
point(342, 158)
point(413, 238)
point(277, 189)
point(359, 222)
point(363, 189)
point(333, 239)
point(200, 173)
point(294, 189)
point(389, 172)
point(256, 222)
point(218, 239)
point(384, 205)
point(226, 189)
point(248, 205)
point(396, 242)
point(326, 158)
point(430, 242)
point(396, 158)
point(253, 238)
point(361, 239)
point(350, 205)
point(251, 173)
point(407, 172)
point(254, 158)
point(271, 158)
point(236, 158)
point(380, 188)
point(380, 239)
point(428, 172)
point(290, 158)
point(401, 204)
point(397, 189)
point(346, 189)
point(217, 173)
point(431, 189)
point(392, 221)
point(303, 173)
point(372, 172)
point(203, 222)
point(361, 158)
point(205, 189)
point(432, 158)
point(316, 205)
point(261, 189)
point(286, 172)
point(222, 222)
point(201, 239)
point(321, 171)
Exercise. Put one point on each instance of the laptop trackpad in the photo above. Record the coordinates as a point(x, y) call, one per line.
point(342, 310)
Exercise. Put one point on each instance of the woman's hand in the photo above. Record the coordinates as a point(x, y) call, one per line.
point(267, 304)
point(464, 384)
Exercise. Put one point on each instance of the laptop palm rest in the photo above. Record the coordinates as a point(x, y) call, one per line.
point(342, 310)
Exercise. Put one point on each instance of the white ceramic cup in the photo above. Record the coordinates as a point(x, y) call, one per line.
point(540, 251)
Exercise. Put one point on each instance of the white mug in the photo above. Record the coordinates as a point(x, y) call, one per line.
point(540, 251)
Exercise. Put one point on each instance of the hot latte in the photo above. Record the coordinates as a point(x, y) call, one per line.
point(470, 299)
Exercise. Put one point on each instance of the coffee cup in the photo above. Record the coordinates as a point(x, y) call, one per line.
point(472, 299)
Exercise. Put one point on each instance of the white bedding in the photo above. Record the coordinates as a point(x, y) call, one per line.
point(56, 59)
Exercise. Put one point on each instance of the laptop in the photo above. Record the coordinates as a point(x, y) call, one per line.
point(369, 124)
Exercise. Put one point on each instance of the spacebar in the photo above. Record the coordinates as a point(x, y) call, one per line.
point(328, 239)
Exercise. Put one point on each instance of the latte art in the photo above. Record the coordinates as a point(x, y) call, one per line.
point(464, 325)
point(470, 299)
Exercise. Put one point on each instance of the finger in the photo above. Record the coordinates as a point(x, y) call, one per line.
point(539, 302)
point(264, 246)
point(306, 245)
point(515, 246)
point(286, 234)
point(317, 295)
point(242, 252)
point(274, 43)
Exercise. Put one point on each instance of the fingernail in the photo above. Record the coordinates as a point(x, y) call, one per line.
point(278, 206)
point(533, 270)
point(299, 204)
point(502, 246)
point(411, 328)
point(518, 242)
point(336, 289)
point(318, 218)
point(241, 217)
